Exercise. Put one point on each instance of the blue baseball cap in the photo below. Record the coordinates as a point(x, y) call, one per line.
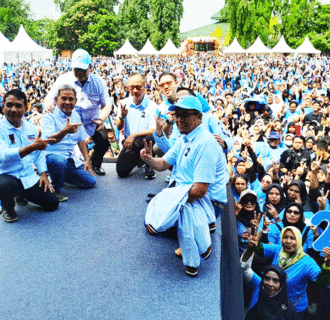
point(187, 102)
point(81, 59)
point(274, 135)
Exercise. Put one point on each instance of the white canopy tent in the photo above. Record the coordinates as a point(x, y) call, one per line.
point(258, 47)
point(307, 47)
point(148, 49)
point(282, 47)
point(126, 49)
point(169, 48)
point(234, 47)
point(23, 49)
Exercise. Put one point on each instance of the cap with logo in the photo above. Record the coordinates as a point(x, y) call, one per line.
point(187, 102)
point(81, 59)
point(274, 135)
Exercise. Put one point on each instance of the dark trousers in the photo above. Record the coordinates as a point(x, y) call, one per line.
point(101, 146)
point(11, 187)
point(129, 158)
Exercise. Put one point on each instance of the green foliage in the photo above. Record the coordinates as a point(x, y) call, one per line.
point(12, 14)
point(39, 30)
point(65, 5)
point(85, 25)
point(252, 18)
point(154, 19)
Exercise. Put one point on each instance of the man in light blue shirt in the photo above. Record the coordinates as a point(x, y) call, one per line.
point(93, 103)
point(196, 158)
point(65, 127)
point(20, 150)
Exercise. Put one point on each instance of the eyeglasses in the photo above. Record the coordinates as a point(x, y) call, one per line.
point(138, 88)
point(296, 213)
point(78, 70)
point(183, 115)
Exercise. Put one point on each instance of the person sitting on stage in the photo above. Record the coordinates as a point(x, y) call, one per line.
point(20, 150)
point(65, 127)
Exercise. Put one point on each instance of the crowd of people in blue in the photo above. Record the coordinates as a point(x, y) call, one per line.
point(255, 128)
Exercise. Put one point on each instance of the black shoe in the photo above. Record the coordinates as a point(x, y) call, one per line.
point(212, 227)
point(99, 171)
point(62, 197)
point(149, 173)
point(207, 254)
point(191, 272)
point(9, 216)
point(21, 201)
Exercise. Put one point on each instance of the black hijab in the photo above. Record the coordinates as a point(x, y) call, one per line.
point(280, 206)
point(246, 216)
point(303, 195)
point(300, 224)
point(277, 307)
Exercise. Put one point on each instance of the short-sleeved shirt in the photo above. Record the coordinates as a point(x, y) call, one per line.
point(198, 158)
point(90, 97)
point(54, 122)
point(139, 118)
point(11, 140)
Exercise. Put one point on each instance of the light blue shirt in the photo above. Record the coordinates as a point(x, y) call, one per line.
point(139, 118)
point(198, 158)
point(90, 97)
point(54, 122)
point(11, 140)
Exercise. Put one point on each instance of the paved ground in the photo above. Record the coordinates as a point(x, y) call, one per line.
point(93, 259)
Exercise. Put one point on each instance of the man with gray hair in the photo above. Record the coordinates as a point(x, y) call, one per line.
point(65, 127)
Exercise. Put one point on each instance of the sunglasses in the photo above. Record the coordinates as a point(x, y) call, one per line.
point(78, 70)
point(296, 213)
point(249, 200)
point(183, 115)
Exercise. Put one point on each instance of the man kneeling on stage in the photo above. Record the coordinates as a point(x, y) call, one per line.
point(65, 127)
point(20, 150)
point(195, 158)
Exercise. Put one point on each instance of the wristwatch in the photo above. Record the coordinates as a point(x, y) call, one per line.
point(169, 122)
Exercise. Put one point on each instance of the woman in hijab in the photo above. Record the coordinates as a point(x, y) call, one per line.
point(275, 202)
point(310, 141)
point(270, 296)
point(300, 267)
point(246, 209)
point(293, 216)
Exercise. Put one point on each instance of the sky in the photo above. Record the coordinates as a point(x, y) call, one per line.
point(197, 13)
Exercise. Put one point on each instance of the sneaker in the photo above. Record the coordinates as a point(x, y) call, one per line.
point(207, 254)
point(9, 216)
point(168, 178)
point(149, 173)
point(62, 197)
point(212, 227)
point(151, 230)
point(191, 272)
point(21, 201)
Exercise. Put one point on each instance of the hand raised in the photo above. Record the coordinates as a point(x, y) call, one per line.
point(71, 127)
point(146, 153)
point(41, 144)
point(123, 110)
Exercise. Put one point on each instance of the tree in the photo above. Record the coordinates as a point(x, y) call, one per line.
point(39, 30)
point(85, 25)
point(12, 14)
point(65, 5)
point(154, 19)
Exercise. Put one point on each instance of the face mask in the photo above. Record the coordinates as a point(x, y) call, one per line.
point(288, 144)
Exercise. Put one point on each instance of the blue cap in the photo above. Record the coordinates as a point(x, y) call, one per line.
point(274, 135)
point(187, 102)
point(81, 59)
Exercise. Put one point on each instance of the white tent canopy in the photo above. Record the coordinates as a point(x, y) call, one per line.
point(148, 49)
point(307, 47)
point(282, 47)
point(169, 48)
point(258, 47)
point(234, 47)
point(23, 49)
point(126, 49)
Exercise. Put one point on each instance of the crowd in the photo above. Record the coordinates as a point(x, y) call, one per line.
point(252, 128)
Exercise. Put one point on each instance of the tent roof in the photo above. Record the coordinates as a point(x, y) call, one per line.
point(127, 48)
point(234, 47)
point(307, 47)
point(148, 49)
point(23, 42)
point(258, 47)
point(205, 31)
point(169, 48)
point(282, 47)
point(3, 41)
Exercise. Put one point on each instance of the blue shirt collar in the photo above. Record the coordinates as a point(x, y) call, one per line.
point(191, 135)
